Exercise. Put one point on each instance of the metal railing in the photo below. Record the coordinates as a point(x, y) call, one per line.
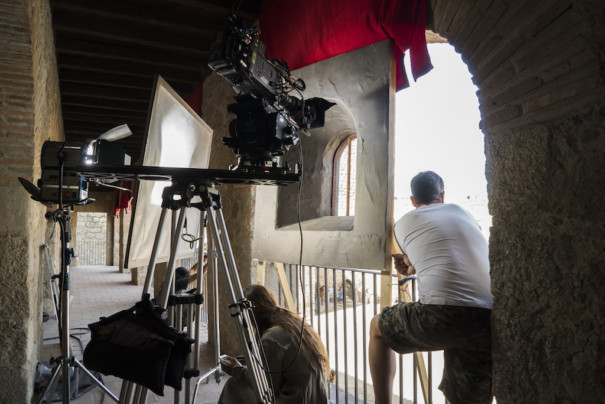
point(339, 303)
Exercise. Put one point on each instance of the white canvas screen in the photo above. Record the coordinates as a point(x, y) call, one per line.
point(176, 137)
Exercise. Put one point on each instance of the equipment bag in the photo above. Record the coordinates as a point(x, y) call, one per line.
point(138, 346)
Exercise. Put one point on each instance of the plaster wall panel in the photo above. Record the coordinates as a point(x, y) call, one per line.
point(359, 83)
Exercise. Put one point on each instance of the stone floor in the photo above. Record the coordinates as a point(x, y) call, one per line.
point(101, 291)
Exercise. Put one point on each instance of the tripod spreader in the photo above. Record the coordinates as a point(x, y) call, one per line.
point(181, 195)
point(239, 306)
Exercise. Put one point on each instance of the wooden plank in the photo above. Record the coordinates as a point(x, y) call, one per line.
point(406, 296)
point(260, 272)
point(285, 286)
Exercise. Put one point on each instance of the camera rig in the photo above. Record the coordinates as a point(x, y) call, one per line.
point(268, 122)
point(268, 119)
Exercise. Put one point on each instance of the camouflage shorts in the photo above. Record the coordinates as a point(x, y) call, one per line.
point(464, 335)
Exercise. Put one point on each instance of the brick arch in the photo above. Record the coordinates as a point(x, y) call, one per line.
point(539, 70)
point(523, 75)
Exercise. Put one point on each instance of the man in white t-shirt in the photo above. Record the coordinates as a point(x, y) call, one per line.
point(443, 245)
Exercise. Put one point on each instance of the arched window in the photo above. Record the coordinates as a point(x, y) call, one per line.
point(343, 189)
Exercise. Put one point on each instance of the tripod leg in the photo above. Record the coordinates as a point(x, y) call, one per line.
point(200, 285)
point(216, 370)
point(246, 330)
point(170, 273)
point(52, 385)
point(154, 252)
point(213, 266)
point(126, 392)
point(97, 381)
point(254, 361)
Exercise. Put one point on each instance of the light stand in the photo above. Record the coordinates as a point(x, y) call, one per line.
point(65, 364)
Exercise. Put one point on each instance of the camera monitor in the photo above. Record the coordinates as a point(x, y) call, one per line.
point(176, 137)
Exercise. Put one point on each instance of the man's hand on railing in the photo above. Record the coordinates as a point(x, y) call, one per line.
point(403, 264)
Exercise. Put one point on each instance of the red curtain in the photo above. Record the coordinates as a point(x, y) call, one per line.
point(123, 199)
point(308, 31)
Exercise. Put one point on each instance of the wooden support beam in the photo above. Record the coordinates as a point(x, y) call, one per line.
point(285, 286)
point(406, 296)
point(260, 272)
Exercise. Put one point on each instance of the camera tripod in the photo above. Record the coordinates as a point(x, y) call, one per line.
point(67, 361)
point(198, 194)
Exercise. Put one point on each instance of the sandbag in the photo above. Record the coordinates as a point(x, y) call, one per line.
point(137, 345)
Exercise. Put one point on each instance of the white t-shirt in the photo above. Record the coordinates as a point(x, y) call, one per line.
point(450, 254)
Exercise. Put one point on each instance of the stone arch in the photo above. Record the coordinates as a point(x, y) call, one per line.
point(539, 74)
point(319, 147)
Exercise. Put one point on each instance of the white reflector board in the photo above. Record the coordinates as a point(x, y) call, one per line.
point(176, 137)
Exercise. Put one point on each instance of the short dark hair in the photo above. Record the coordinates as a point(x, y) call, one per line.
point(181, 272)
point(427, 187)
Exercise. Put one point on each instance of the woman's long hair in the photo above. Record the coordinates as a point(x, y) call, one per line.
point(268, 314)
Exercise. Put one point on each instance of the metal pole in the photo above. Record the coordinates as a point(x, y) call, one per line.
point(154, 252)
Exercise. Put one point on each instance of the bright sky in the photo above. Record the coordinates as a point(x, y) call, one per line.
point(437, 128)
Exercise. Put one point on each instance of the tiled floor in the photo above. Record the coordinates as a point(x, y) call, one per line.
point(101, 291)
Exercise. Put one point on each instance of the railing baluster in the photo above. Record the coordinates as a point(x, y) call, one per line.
point(355, 345)
point(430, 376)
point(345, 333)
point(336, 377)
point(401, 399)
point(310, 291)
point(297, 272)
point(326, 311)
point(415, 378)
point(375, 294)
point(365, 343)
point(316, 300)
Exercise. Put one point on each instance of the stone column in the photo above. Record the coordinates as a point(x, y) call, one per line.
point(238, 204)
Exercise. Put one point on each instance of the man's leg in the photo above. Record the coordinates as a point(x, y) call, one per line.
point(382, 364)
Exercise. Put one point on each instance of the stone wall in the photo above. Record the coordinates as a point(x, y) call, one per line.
point(359, 83)
point(104, 203)
point(539, 69)
point(91, 230)
point(29, 114)
point(237, 200)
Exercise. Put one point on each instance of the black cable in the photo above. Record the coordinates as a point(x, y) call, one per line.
point(73, 335)
point(235, 7)
point(300, 280)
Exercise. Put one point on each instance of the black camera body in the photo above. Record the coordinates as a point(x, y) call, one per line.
point(268, 119)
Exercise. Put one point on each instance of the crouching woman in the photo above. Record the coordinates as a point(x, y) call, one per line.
point(299, 369)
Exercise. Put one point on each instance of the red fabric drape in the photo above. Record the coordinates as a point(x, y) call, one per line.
point(195, 99)
point(307, 31)
point(123, 201)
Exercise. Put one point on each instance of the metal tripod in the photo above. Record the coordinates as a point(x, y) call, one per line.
point(66, 362)
point(181, 196)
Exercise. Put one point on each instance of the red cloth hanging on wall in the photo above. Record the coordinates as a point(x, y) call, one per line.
point(123, 199)
point(307, 31)
point(195, 99)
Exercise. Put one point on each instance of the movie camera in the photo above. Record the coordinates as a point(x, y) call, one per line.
point(268, 119)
